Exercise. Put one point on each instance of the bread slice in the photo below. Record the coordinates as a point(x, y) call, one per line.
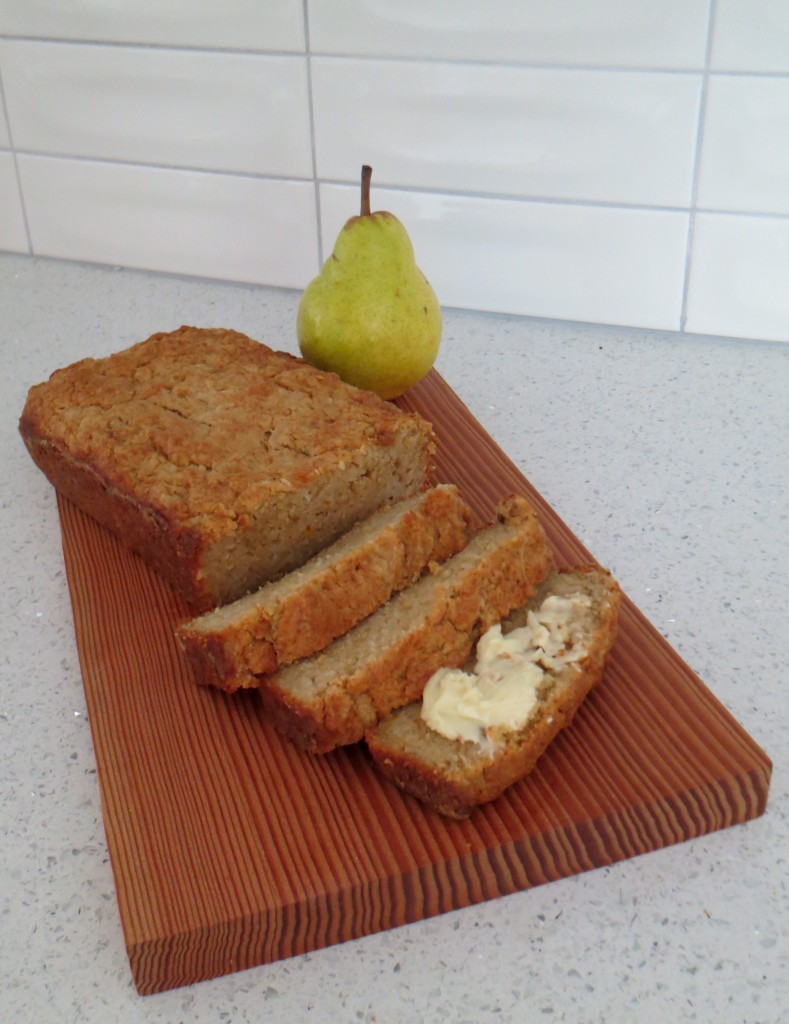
point(301, 613)
point(220, 461)
point(330, 699)
point(453, 776)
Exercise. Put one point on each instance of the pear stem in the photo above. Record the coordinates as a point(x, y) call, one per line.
point(367, 173)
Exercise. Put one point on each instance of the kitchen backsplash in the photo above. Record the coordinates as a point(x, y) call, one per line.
point(620, 163)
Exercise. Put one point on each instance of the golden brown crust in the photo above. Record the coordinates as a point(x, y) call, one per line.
point(453, 777)
point(304, 612)
point(341, 715)
point(331, 699)
point(183, 444)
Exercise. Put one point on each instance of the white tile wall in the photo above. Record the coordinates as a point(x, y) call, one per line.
point(229, 112)
point(13, 235)
point(739, 275)
point(610, 162)
point(636, 34)
point(5, 138)
point(213, 24)
point(745, 160)
point(751, 35)
point(590, 135)
point(209, 225)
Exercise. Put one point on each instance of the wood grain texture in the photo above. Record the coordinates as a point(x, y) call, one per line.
point(230, 848)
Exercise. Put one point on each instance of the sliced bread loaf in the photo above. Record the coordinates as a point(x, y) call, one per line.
point(453, 775)
point(300, 614)
point(331, 698)
point(223, 463)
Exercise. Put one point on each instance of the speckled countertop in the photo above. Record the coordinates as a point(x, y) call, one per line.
point(668, 456)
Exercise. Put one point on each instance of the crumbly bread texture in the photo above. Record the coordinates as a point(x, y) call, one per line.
point(454, 776)
point(302, 613)
point(222, 462)
point(330, 699)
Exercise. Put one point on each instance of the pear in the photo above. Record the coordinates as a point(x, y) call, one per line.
point(370, 315)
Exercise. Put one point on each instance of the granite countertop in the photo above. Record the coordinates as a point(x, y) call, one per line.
point(666, 455)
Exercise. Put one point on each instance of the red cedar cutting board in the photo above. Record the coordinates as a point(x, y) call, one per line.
point(230, 848)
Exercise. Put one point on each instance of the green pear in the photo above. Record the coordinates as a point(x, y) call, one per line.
point(370, 315)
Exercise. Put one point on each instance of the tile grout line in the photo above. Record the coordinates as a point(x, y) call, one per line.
point(470, 194)
point(694, 209)
point(385, 58)
point(311, 119)
point(14, 156)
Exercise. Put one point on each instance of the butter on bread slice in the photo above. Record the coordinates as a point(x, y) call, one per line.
point(453, 776)
point(333, 697)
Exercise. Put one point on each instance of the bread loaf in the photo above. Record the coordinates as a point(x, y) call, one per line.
point(223, 463)
point(331, 698)
point(454, 775)
point(301, 613)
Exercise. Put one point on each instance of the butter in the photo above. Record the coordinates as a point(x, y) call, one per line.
point(502, 692)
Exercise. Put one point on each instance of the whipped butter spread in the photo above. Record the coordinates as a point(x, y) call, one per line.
point(503, 690)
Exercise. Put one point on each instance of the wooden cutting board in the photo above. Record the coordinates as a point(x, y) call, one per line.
point(230, 848)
